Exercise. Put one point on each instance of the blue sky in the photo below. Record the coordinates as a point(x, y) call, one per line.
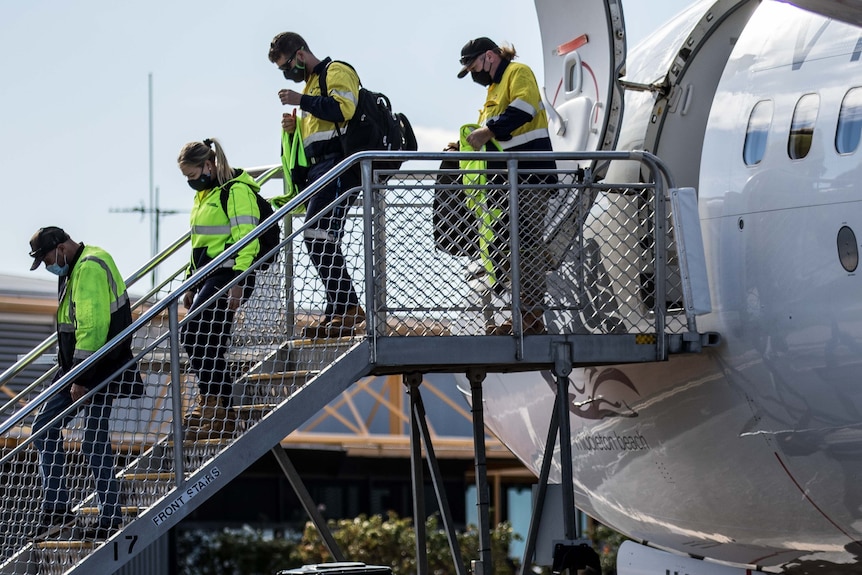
point(74, 119)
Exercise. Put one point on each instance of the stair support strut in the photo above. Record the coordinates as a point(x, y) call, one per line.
point(307, 503)
point(417, 414)
point(418, 484)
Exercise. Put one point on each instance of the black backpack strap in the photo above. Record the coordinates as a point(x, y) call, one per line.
point(225, 194)
point(321, 79)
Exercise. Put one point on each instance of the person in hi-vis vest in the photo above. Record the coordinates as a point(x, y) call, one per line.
point(93, 309)
point(343, 315)
point(216, 223)
point(513, 118)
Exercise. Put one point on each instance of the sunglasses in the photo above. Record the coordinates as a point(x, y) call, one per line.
point(287, 66)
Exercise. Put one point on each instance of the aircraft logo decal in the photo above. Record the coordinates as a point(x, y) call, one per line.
point(600, 395)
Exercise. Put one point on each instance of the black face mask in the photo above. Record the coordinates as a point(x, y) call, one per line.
point(297, 73)
point(204, 182)
point(483, 77)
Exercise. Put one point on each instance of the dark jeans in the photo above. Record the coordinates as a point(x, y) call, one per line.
point(206, 338)
point(323, 239)
point(532, 211)
point(96, 447)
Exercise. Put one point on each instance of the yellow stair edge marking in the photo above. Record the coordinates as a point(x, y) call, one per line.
point(133, 510)
point(153, 475)
point(55, 544)
point(282, 375)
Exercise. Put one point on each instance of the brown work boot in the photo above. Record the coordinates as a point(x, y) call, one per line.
point(204, 411)
point(316, 327)
point(533, 322)
point(340, 325)
point(222, 424)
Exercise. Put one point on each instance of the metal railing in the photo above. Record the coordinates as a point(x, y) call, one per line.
point(600, 253)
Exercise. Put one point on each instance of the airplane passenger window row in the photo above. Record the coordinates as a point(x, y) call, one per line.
point(848, 132)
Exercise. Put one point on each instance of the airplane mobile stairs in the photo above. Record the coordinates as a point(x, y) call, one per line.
point(625, 280)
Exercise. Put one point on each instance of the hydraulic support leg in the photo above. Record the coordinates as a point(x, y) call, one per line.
point(562, 369)
point(573, 555)
point(484, 565)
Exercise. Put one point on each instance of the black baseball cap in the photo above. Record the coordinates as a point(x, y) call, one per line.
point(472, 50)
point(43, 241)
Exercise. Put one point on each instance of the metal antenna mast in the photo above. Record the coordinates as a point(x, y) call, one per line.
point(156, 214)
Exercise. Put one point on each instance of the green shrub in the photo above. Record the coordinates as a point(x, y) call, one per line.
point(391, 540)
point(374, 540)
point(232, 551)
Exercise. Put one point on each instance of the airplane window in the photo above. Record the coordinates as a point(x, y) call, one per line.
point(755, 135)
point(802, 126)
point(849, 122)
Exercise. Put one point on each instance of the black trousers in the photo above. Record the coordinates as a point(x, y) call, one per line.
point(206, 338)
point(323, 240)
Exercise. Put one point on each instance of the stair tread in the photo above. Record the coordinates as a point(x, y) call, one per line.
point(61, 544)
point(254, 406)
point(148, 475)
point(302, 373)
point(125, 510)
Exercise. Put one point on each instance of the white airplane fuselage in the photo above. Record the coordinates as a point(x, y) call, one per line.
point(749, 452)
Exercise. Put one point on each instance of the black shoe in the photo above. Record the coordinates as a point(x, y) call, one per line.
point(52, 522)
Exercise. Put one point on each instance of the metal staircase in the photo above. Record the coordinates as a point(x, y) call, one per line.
point(607, 303)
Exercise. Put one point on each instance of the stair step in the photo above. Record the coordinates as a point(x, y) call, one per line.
point(148, 476)
point(281, 376)
point(55, 557)
point(264, 386)
point(58, 544)
point(143, 489)
point(132, 511)
point(252, 413)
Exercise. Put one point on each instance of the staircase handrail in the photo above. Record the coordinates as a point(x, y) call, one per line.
point(172, 299)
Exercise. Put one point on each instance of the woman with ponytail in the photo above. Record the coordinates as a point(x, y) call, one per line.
point(217, 223)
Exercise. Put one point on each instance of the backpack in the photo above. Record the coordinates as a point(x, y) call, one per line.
point(374, 126)
point(456, 230)
point(268, 239)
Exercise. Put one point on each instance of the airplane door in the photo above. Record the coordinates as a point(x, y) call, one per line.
point(583, 42)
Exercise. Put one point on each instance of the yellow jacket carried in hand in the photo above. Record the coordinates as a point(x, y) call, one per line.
point(294, 165)
point(477, 199)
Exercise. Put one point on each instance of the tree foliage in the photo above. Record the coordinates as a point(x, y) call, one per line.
point(390, 541)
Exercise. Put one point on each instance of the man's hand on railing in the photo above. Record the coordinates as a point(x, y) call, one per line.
point(188, 298)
